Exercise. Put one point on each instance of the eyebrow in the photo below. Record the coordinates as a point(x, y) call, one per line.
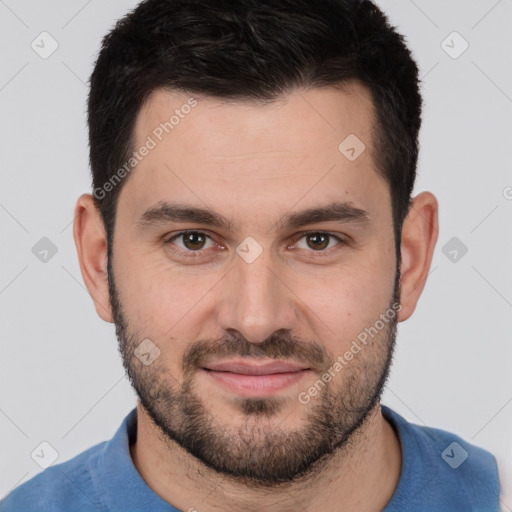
point(165, 212)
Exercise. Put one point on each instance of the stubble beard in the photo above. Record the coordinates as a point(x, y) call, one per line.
point(262, 451)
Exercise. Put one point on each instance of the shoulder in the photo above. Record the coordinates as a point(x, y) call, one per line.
point(73, 481)
point(441, 469)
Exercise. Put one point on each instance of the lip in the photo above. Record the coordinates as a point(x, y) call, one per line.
point(253, 380)
point(244, 368)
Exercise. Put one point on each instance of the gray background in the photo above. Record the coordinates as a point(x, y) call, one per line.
point(61, 378)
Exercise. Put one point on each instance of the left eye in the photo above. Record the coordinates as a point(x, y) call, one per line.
point(318, 241)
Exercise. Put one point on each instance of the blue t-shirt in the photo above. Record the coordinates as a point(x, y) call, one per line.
point(440, 473)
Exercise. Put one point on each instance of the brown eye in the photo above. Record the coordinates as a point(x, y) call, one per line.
point(318, 241)
point(192, 241)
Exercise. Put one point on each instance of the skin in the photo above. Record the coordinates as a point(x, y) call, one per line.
point(254, 164)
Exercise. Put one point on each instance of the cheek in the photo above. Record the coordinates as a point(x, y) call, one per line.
point(348, 300)
point(164, 302)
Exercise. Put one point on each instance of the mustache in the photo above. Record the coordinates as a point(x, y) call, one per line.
point(280, 345)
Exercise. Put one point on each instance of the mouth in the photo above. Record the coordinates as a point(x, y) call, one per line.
point(248, 379)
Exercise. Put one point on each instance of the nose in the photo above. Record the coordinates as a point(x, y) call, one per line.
point(256, 300)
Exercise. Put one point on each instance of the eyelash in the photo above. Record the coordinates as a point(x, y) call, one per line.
point(190, 253)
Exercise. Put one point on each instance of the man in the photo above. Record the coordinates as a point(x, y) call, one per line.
point(253, 237)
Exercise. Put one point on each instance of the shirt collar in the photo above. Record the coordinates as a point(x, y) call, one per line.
point(123, 487)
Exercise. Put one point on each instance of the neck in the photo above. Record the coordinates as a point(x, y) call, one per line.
point(362, 475)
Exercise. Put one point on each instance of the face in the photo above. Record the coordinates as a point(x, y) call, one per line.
point(257, 332)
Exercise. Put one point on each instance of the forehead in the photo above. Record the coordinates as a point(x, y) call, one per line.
point(319, 116)
point(233, 154)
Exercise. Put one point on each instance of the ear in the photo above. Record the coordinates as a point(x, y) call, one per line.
point(91, 245)
point(419, 236)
